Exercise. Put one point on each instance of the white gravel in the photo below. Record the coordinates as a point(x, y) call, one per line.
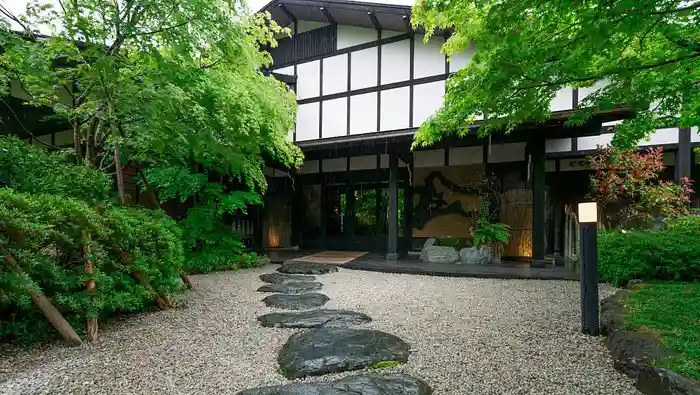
point(468, 336)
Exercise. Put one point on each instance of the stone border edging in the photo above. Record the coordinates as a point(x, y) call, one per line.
point(633, 353)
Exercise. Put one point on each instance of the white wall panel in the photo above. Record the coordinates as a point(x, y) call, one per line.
point(557, 145)
point(431, 158)
point(550, 165)
point(335, 74)
point(394, 111)
point(335, 164)
point(268, 171)
point(427, 99)
point(391, 33)
point(349, 36)
point(308, 79)
point(290, 135)
point(592, 142)
point(563, 100)
point(662, 136)
point(335, 117)
point(695, 134)
point(307, 121)
point(583, 92)
point(509, 152)
point(367, 162)
point(64, 138)
point(428, 59)
point(363, 68)
point(305, 26)
point(669, 158)
point(16, 90)
point(308, 167)
point(384, 162)
point(466, 155)
point(461, 60)
point(289, 70)
point(363, 113)
point(396, 62)
point(280, 173)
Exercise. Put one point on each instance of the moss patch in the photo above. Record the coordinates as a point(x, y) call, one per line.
point(385, 364)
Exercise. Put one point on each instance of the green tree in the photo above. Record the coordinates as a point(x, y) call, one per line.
point(642, 54)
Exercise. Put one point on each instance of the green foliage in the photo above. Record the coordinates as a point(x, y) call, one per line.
point(644, 55)
point(670, 312)
point(386, 364)
point(490, 234)
point(454, 242)
point(669, 254)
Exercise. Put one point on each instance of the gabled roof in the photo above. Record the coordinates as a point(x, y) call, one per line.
point(343, 12)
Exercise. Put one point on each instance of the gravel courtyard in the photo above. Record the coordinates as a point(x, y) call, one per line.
point(468, 336)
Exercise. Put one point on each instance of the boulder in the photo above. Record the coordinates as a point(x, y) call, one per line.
point(329, 350)
point(296, 302)
point(366, 384)
point(306, 268)
point(428, 243)
point(264, 261)
point(475, 256)
point(292, 288)
point(279, 278)
point(439, 254)
point(322, 318)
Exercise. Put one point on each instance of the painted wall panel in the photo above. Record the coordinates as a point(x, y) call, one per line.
point(307, 121)
point(366, 162)
point(430, 158)
point(592, 142)
point(695, 134)
point(334, 165)
point(394, 111)
point(466, 155)
point(335, 117)
point(428, 59)
point(557, 145)
point(461, 60)
point(289, 70)
point(427, 99)
point(509, 152)
point(363, 113)
point(308, 167)
point(305, 26)
point(662, 136)
point(335, 74)
point(363, 68)
point(308, 79)
point(396, 62)
point(384, 162)
point(391, 33)
point(562, 100)
point(349, 36)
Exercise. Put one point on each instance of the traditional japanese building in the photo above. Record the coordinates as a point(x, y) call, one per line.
point(365, 81)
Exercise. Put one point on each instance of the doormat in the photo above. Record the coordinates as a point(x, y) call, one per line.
point(331, 257)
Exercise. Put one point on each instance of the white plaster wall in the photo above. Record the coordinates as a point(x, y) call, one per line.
point(669, 158)
point(335, 117)
point(349, 36)
point(394, 109)
point(335, 164)
point(307, 121)
point(280, 173)
point(289, 70)
point(305, 26)
point(367, 162)
point(308, 167)
point(557, 145)
point(391, 33)
point(662, 136)
point(427, 99)
point(466, 155)
point(363, 69)
point(363, 113)
point(509, 152)
point(396, 62)
point(335, 71)
point(268, 171)
point(694, 134)
point(562, 100)
point(592, 142)
point(461, 60)
point(430, 158)
point(584, 92)
point(308, 79)
point(290, 135)
point(428, 59)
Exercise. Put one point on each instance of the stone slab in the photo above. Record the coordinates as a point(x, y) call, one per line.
point(292, 288)
point(322, 318)
point(296, 302)
point(368, 384)
point(280, 278)
point(306, 268)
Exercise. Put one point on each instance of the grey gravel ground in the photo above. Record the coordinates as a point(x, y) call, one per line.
point(468, 336)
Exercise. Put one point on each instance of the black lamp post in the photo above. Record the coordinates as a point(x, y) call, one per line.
point(588, 220)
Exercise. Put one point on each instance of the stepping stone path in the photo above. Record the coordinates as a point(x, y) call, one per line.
point(322, 318)
point(306, 268)
point(320, 351)
point(279, 278)
point(370, 384)
point(292, 287)
point(296, 302)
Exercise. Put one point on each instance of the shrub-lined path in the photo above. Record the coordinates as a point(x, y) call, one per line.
point(465, 335)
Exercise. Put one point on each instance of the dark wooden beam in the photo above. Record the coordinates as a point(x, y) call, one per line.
point(375, 21)
point(328, 16)
point(287, 12)
point(684, 154)
point(537, 151)
point(392, 222)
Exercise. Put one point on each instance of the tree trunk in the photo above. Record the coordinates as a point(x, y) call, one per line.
point(149, 189)
point(187, 280)
point(120, 176)
point(91, 324)
point(46, 307)
point(163, 303)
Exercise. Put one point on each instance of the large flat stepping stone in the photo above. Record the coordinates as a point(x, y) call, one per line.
point(279, 278)
point(366, 384)
point(323, 318)
point(292, 288)
point(296, 302)
point(320, 351)
point(306, 268)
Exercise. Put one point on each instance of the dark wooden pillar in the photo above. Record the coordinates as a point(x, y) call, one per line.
point(558, 231)
point(324, 205)
point(538, 203)
point(407, 219)
point(258, 229)
point(349, 226)
point(683, 155)
point(297, 207)
point(392, 222)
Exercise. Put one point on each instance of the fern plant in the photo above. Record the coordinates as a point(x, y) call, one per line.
point(493, 235)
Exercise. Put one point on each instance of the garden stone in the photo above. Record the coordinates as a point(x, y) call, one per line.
point(329, 350)
point(323, 318)
point(428, 243)
point(475, 256)
point(292, 288)
point(439, 254)
point(366, 384)
point(264, 261)
point(279, 278)
point(296, 302)
point(306, 268)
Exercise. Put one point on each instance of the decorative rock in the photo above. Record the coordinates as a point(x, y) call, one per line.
point(292, 288)
point(475, 256)
point(369, 384)
point(428, 243)
point(306, 268)
point(264, 261)
point(323, 318)
point(439, 254)
point(279, 278)
point(296, 302)
point(319, 351)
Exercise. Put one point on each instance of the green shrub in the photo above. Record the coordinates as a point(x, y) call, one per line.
point(454, 242)
point(670, 254)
